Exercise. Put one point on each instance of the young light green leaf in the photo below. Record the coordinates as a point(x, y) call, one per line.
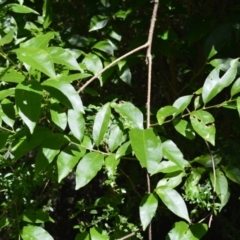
point(184, 128)
point(88, 168)
point(181, 103)
point(7, 112)
point(147, 148)
point(165, 112)
point(235, 87)
point(98, 234)
point(221, 187)
point(65, 93)
point(7, 38)
point(49, 150)
point(173, 153)
point(233, 173)
point(64, 57)
point(67, 159)
point(173, 201)
point(132, 115)
point(38, 59)
point(115, 137)
point(203, 123)
point(35, 233)
point(58, 116)
point(124, 150)
point(182, 231)
point(147, 209)
point(98, 22)
point(101, 123)
point(17, 8)
point(214, 84)
point(171, 180)
point(47, 13)
point(111, 163)
point(28, 96)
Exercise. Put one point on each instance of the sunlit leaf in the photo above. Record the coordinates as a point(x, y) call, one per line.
point(47, 13)
point(184, 128)
point(98, 22)
point(115, 137)
point(7, 112)
point(171, 180)
point(111, 164)
point(165, 112)
point(7, 38)
point(58, 116)
point(35, 233)
point(17, 8)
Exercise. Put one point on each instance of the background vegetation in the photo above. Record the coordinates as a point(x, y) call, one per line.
point(82, 161)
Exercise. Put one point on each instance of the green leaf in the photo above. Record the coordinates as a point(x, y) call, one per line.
point(64, 57)
point(67, 159)
point(28, 97)
point(93, 63)
point(235, 87)
point(7, 112)
point(47, 13)
point(58, 116)
point(98, 234)
point(6, 93)
point(12, 76)
point(65, 93)
point(111, 163)
point(101, 123)
point(88, 168)
point(215, 84)
point(40, 41)
point(35, 233)
point(38, 59)
point(165, 112)
point(147, 148)
point(76, 123)
point(172, 153)
point(49, 150)
point(125, 75)
point(238, 105)
point(167, 167)
point(148, 208)
point(38, 216)
point(206, 160)
point(124, 150)
point(184, 128)
point(221, 187)
point(104, 46)
point(7, 38)
point(17, 8)
point(3, 139)
point(171, 180)
point(182, 103)
point(115, 137)
point(173, 201)
point(98, 22)
point(132, 115)
point(83, 236)
point(182, 231)
point(233, 173)
point(203, 123)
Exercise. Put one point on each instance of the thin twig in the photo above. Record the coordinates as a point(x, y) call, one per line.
point(127, 236)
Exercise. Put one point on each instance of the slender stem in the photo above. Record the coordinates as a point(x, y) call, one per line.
point(127, 236)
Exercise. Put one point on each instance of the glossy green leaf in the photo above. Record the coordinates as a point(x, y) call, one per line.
point(28, 96)
point(184, 128)
point(58, 116)
point(173, 201)
point(76, 123)
point(235, 87)
point(124, 150)
point(133, 116)
point(88, 168)
point(35, 233)
point(101, 123)
point(182, 231)
point(7, 38)
point(171, 180)
point(64, 57)
point(224, 63)
point(165, 112)
point(147, 148)
point(48, 151)
point(111, 163)
point(203, 123)
point(98, 22)
point(7, 92)
point(115, 137)
point(40, 41)
point(64, 93)
point(167, 167)
point(17, 8)
point(238, 105)
point(93, 63)
point(221, 187)
point(104, 46)
point(182, 103)
point(67, 159)
point(7, 112)
point(233, 173)
point(38, 59)
point(214, 84)
point(147, 209)
point(173, 153)
point(47, 13)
